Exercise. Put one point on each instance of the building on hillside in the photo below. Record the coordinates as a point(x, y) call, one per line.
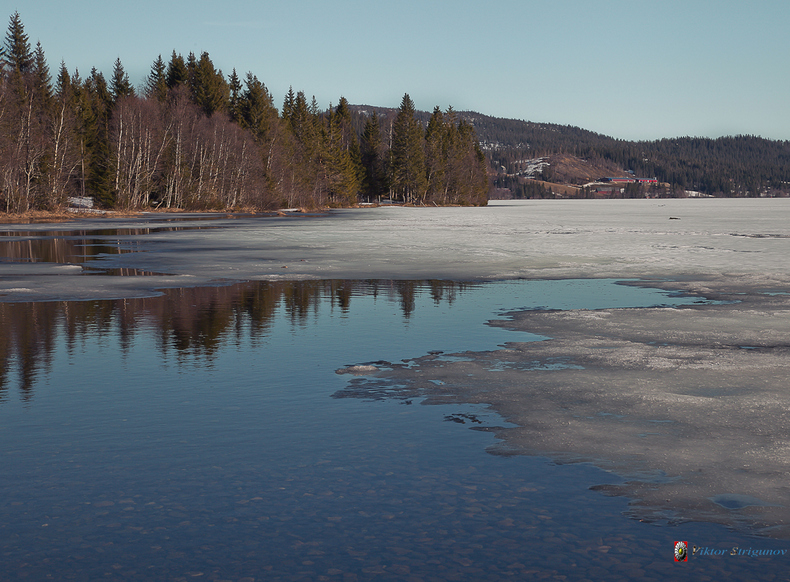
point(619, 180)
point(622, 180)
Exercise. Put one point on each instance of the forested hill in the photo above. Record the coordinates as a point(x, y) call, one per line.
point(541, 138)
point(498, 134)
point(728, 166)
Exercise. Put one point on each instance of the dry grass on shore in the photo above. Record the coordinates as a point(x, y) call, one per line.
point(46, 216)
point(56, 216)
point(36, 216)
point(70, 214)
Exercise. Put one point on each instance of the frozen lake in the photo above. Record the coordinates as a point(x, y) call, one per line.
point(160, 421)
point(507, 240)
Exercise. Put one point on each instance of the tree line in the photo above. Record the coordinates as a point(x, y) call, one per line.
point(192, 138)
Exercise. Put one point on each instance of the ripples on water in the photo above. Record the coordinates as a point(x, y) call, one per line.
point(194, 435)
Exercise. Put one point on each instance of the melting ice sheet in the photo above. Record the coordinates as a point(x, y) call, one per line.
point(746, 240)
point(667, 398)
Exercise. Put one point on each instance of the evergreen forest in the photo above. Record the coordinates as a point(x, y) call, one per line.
point(731, 166)
point(194, 138)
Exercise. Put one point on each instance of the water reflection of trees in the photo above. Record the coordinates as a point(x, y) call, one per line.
point(190, 321)
point(74, 246)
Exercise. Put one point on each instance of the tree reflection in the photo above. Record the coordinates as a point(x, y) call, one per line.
point(187, 322)
point(75, 246)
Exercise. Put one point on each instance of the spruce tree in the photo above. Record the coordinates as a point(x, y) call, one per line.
point(191, 65)
point(302, 122)
point(436, 146)
point(42, 81)
point(99, 101)
point(63, 85)
point(17, 53)
point(289, 105)
point(304, 126)
point(340, 168)
point(343, 114)
point(258, 113)
point(407, 157)
point(156, 84)
point(467, 164)
point(209, 90)
point(40, 146)
point(350, 143)
point(234, 102)
point(372, 157)
point(177, 73)
point(119, 85)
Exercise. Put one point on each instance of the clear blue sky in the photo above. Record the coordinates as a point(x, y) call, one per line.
point(632, 69)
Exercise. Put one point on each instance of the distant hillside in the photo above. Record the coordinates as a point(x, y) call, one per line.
point(541, 138)
point(729, 166)
point(740, 165)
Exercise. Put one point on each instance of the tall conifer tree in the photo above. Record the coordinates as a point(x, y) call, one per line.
point(177, 73)
point(209, 90)
point(17, 46)
point(340, 167)
point(372, 157)
point(436, 146)
point(156, 83)
point(234, 101)
point(63, 84)
point(289, 105)
point(258, 112)
point(42, 81)
point(407, 170)
point(99, 99)
point(120, 86)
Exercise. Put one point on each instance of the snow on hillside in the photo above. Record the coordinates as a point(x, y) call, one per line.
point(531, 168)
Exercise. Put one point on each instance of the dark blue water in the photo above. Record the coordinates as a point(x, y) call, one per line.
point(195, 435)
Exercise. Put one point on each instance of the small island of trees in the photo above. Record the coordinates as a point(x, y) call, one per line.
point(193, 139)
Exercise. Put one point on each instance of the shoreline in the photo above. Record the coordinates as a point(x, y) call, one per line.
point(71, 214)
point(686, 405)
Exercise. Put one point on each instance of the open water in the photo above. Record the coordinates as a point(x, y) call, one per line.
point(195, 436)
